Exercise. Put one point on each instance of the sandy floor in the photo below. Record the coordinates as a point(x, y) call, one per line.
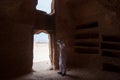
point(42, 71)
point(73, 74)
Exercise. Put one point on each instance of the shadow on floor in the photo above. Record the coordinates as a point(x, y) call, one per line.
point(73, 76)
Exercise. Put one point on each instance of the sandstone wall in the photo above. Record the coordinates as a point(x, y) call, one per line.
point(101, 18)
point(83, 25)
point(16, 32)
point(64, 29)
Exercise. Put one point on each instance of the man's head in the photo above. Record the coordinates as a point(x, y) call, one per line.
point(60, 41)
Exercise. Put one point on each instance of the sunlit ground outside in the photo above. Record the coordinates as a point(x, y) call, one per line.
point(41, 60)
point(41, 51)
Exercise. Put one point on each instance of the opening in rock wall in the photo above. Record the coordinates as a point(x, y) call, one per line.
point(44, 5)
point(41, 60)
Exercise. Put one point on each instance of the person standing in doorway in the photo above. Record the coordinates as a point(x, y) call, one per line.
point(62, 58)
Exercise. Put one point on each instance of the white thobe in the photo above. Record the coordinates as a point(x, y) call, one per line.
point(62, 58)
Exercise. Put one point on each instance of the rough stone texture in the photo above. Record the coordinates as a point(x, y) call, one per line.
point(19, 18)
point(64, 28)
point(85, 13)
point(77, 12)
point(16, 42)
point(16, 48)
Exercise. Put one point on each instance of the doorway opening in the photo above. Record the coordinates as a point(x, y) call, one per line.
point(41, 51)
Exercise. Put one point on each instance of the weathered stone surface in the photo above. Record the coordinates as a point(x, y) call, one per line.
point(19, 18)
point(16, 42)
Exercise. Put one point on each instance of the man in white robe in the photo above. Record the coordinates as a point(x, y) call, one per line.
point(62, 58)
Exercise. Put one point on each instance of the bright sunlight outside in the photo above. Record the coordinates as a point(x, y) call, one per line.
point(41, 60)
point(44, 5)
point(41, 47)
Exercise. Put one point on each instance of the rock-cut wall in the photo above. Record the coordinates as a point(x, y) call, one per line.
point(16, 24)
